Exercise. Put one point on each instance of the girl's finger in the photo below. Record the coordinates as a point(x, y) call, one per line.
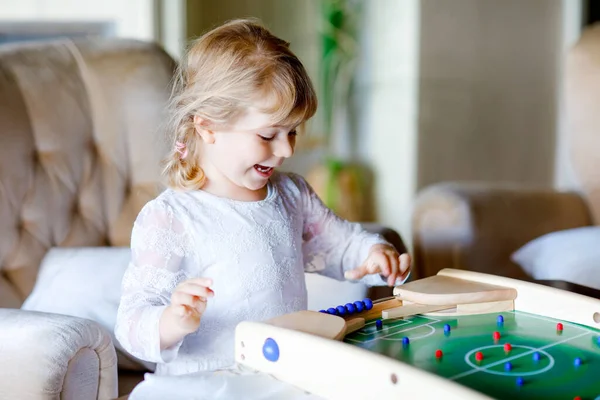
point(195, 290)
point(180, 310)
point(405, 262)
point(200, 281)
point(378, 263)
point(201, 306)
point(191, 314)
point(357, 273)
point(182, 298)
point(395, 269)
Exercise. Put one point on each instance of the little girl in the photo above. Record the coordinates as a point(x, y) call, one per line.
point(231, 238)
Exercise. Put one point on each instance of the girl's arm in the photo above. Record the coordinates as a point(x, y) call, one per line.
point(159, 245)
point(331, 244)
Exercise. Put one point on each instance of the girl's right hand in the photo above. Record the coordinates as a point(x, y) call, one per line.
point(188, 302)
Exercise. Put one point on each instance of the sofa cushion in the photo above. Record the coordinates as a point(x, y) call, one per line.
point(85, 282)
point(572, 255)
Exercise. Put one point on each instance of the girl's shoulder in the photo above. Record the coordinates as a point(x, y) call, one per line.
point(290, 183)
point(168, 202)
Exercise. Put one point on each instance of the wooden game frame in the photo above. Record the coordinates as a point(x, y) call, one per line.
point(333, 369)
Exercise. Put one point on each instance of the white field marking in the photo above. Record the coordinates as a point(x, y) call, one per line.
point(487, 370)
point(413, 338)
point(466, 373)
point(526, 315)
point(430, 318)
point(384, 328)
point(428, 325)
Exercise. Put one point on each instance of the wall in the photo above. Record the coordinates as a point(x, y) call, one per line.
point(131, 18)
point(293, 20)
point(463, 90)
point(171, 29)
point(564, 175)
point(386, 105)
point(488, 90)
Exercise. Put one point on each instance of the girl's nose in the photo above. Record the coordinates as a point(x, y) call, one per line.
point(284, 147)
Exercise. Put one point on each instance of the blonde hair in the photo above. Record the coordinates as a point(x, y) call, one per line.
point(222, 74)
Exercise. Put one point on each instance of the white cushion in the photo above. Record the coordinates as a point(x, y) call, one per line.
point(84, 282)
point(571, 255)
point(325, 292)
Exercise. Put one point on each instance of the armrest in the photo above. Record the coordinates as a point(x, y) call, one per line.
point(477, 227)
point(51, 356)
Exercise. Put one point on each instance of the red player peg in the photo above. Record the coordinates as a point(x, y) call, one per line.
point(577, 398)
point(496, 335)
point(438, 354)
point(559, 327)
point(507, 347)
point(479, 356)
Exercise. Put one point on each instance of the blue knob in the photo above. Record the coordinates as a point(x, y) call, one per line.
point(520, 381)
point(271, 350)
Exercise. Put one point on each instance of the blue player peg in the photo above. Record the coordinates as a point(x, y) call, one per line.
point(520, 381)
point(379, 324)
point(447, 328)
point(368, 304)
point(360, 306)
point(536, 356)
point(508, 366)
point(577, 362)
point(350, 308)
point(500, 319)
point(405, 340)
point(271, 350)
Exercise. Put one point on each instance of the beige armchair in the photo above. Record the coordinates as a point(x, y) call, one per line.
point(79, 157)
point(478, 226)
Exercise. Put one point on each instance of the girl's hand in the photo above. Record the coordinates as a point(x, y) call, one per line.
point(188, 303)
point(385, 260)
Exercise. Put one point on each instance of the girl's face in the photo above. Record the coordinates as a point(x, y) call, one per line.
point(239, 160)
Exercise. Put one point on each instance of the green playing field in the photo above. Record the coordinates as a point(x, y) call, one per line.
point(553, 376)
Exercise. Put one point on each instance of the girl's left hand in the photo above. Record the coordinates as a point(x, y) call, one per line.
point(384, 260)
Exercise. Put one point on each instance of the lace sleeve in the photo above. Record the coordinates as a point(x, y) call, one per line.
point(332, 245)
point(159, 245)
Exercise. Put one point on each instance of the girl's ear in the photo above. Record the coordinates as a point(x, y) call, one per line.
point(206, 135)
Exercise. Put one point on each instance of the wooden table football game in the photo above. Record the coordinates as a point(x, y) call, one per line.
point(456, 335)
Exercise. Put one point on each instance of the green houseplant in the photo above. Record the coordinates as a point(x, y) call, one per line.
point(339, 180)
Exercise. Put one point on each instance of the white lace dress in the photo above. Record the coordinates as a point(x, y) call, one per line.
point(255, 252)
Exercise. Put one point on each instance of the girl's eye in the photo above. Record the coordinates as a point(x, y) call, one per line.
point(270, 138)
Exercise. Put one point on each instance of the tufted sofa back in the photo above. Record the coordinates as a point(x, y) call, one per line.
point(80, 147)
